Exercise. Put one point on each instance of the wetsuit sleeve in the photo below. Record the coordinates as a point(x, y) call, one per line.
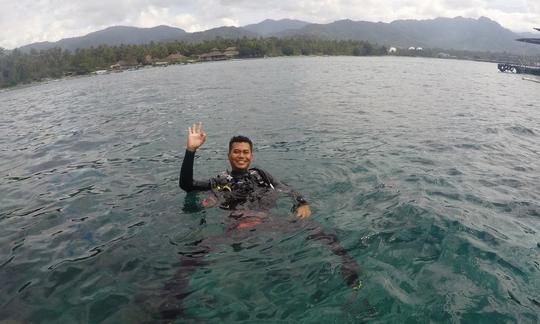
point(186, 181)
point(298, 199)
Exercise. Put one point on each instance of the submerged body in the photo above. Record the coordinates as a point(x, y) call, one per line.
point(242, 225)
point(247, 195)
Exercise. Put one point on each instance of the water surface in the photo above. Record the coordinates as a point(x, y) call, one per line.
point(427, 170)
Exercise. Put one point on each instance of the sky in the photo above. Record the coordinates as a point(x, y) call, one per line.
point(27, 21)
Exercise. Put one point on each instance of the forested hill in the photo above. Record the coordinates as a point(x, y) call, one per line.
point(458, 33)
point(113, 36)
point(271, 27)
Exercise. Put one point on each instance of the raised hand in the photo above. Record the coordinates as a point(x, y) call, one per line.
point(196, 137)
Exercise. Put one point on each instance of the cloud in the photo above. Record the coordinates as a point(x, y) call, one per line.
point(39, 20)
point(230, 22)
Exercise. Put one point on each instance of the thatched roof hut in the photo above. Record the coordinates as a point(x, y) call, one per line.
point(214, 55)
point(175, 57)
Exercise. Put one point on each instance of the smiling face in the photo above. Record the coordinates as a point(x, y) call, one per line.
point(240, 156)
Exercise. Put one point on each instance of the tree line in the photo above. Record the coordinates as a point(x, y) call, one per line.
point(19, 67)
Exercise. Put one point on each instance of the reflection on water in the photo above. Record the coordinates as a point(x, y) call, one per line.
point(426, 170)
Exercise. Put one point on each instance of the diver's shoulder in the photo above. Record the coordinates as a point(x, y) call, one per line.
point(263, 174)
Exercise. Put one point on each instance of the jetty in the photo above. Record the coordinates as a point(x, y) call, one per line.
point(520, 68)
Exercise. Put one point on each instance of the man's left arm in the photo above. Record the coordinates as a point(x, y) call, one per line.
point(301, 206)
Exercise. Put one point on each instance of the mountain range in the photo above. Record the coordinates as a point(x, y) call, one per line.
point(482, 34)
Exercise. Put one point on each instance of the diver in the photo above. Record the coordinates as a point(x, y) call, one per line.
point(242, 188)
point(248, 194)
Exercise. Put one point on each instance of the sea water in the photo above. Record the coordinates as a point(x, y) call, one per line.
point(427, 170)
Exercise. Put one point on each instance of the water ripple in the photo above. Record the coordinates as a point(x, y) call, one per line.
point(434, 193)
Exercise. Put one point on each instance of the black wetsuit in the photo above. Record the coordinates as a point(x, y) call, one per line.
point(254, 189)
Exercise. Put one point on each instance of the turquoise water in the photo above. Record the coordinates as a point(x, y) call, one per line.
point(427, 170)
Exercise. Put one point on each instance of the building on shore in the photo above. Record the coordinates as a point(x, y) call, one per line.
point(216, 55)
point(213, 55)
point(175, 58)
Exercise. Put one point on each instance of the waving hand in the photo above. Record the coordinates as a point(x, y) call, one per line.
point(196, 137)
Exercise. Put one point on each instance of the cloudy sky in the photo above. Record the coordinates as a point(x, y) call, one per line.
point(28, 21)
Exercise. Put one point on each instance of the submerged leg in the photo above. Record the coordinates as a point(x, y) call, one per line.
point(176, 289)
point(350, 269)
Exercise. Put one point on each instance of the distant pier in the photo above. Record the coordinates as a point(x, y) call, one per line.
point(520, 69)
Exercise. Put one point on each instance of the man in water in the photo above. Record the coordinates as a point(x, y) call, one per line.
point(242, 189)
point(249, 194)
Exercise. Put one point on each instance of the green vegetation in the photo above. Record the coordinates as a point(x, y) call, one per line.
point(18, 67)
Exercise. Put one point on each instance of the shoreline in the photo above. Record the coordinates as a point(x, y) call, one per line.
point(131, 69)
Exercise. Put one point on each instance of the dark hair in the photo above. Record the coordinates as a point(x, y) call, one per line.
point(240, 139)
